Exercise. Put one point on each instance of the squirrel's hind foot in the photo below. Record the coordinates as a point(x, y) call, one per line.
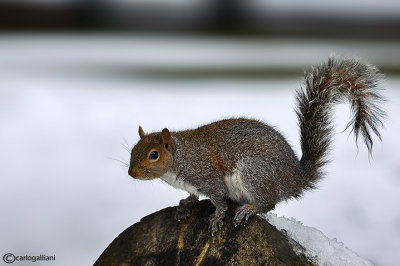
point(243, 214)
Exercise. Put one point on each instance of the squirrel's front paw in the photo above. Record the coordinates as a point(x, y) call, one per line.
point(216, 221)
point(182, 212)
point(243, 213)
point(185, 205)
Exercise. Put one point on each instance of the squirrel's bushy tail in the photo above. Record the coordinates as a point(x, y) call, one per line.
point(325, 85)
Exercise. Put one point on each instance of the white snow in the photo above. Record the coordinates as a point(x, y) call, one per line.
point(320, 248)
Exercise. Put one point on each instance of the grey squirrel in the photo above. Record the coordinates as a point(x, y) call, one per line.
point(251, 163)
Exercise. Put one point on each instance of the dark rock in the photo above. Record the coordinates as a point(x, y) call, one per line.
point(158, 239)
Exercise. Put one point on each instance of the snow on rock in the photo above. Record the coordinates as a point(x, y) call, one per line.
point(316, 245)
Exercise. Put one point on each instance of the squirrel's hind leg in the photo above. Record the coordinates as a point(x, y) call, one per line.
point(184, 209)
point(245, 212)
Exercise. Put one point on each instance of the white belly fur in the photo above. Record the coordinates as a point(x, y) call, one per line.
point(173, 180)
point(233, 181)
point(234, 184)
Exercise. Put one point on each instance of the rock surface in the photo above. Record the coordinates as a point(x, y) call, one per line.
point(158, 239)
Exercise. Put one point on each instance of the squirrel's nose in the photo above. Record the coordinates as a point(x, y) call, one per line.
point(132, 172)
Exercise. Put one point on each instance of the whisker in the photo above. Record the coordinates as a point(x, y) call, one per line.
point(127, 145)
point(125, 164)
point(126, 148)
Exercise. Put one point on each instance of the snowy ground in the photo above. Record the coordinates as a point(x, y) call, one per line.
point(64, 114)
point(315, 244)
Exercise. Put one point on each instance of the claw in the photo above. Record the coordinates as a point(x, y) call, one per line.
point(243, 214)
point(216, 222)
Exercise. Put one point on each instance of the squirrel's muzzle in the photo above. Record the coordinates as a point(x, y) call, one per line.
point(132, 172)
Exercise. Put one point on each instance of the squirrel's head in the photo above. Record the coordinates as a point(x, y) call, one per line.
point(152, 155)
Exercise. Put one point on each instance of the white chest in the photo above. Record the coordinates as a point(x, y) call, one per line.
point(173, 180)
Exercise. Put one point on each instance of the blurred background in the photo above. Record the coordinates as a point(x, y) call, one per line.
point(77, 78)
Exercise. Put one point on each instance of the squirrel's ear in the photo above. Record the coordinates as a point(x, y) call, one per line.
point(166, 138)
point(141, 132)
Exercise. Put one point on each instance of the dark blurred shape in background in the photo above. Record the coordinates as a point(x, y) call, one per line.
point(379, 19)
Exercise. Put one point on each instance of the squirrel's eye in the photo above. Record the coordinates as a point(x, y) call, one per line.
point(153, 155)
